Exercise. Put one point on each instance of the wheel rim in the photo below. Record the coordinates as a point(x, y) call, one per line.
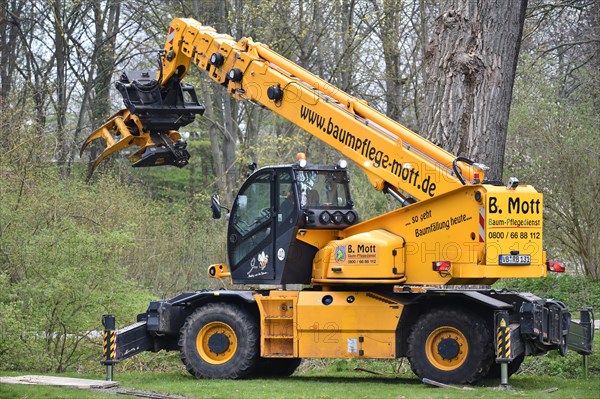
point(216, 342)
point(446, 348)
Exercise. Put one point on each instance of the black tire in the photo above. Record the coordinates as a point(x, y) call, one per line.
point(513, 367)
point(276, 367)
point(220, 340)
point(451, 346)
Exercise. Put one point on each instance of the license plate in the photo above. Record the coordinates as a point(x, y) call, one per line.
point(515, 259)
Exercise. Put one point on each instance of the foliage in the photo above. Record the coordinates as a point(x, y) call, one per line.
point(174, 185)
point(555, 147)
point(576, 291)
point(60, 270)
point(553, 364)
point(553, 140)
point(72, 252)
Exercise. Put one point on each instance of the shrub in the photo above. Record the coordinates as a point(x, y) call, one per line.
point(575, 291)
point(60, 270)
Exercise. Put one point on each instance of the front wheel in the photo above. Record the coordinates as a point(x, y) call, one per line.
point(450, 346)
point(219, 340)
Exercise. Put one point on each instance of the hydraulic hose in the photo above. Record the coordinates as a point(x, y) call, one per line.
point(455, 167)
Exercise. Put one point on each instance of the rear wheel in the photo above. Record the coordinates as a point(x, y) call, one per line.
point(450, 346)
point(219, 340)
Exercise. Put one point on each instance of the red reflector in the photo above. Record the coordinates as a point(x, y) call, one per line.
point(556, 267)
point(441, 266)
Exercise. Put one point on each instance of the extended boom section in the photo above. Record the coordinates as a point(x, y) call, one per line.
point(389, 153)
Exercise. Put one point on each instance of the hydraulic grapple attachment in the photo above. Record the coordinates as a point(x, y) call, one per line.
point(154, 114)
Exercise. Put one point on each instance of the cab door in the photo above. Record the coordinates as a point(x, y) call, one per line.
point(251, 230)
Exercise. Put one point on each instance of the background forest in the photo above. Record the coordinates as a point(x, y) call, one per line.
point(72, 249)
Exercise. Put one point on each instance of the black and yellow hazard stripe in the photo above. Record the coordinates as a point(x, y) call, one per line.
point(503, 351)
point(109, 346)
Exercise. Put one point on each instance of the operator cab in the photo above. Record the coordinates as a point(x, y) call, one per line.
point(271, 206)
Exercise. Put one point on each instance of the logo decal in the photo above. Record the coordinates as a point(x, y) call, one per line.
point(340, 253)
point(263, 259)
point(281, 254)
point(252, 267)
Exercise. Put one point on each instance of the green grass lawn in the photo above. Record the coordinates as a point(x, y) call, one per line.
point(312, 384)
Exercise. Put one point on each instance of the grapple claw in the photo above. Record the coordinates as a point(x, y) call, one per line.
point(150, 121)
point(156, 148)
point(104, 131)
point(117, 125)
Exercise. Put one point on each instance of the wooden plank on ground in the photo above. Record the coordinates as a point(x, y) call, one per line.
point(59, 381)
point(442, 385)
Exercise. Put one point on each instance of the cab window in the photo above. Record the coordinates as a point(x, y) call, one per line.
point(322, 189)
point(253, 205)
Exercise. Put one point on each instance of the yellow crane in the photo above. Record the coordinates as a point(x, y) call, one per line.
point(406, 283)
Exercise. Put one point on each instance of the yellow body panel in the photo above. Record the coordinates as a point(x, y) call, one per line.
point(452, 227)
point(376, 254)
point(513, 223)
point(353, 325)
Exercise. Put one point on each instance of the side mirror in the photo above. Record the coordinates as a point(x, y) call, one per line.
point(215, 205)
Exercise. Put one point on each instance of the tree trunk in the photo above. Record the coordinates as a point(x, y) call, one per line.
point(8, 50)
point(253, 120)
point(230, 108)
point(390, 31)
point(347, 25)
point(213, 132)
point(107, 25)
point(471, 61)
point(60, 55)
